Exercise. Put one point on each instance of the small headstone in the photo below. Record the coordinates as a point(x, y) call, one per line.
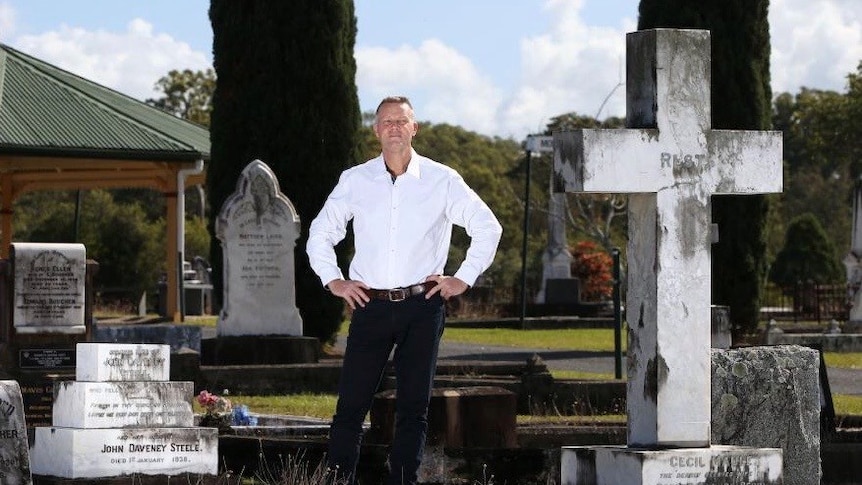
point(769, 397)
point(722, 337)
point(258, 227)
point(14, 457)
point(49, 283)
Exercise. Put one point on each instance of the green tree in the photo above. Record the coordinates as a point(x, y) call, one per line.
point(132, 262)
point(286, 94)
point(187, 94)
point(808, 254)
point(741, 99)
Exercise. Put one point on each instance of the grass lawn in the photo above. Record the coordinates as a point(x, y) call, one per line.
point(590, 339)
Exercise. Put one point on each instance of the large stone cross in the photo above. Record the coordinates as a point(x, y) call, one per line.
point(671, 162)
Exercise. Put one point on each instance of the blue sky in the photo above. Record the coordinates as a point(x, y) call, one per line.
point(498, 68)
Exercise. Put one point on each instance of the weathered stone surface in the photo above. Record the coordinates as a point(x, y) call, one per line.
point(465, 417)
point(49, 287)
point(104, 362)
point(14, 456)
point(770, 397)
point(123, 404)
point(258, 227)
point(95, 453)
point(672, 163)
point(616, 465)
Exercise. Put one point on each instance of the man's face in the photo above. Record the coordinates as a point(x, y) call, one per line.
point(395, 126)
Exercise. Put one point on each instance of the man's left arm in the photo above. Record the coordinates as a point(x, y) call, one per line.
point(465, 208)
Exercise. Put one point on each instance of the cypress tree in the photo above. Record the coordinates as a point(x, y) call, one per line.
point(285, 94)
point(741, 99)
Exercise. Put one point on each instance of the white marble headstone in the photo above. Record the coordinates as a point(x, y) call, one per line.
point(258, 228)
point(49, 287)
point(106, 362)
point(14, 457)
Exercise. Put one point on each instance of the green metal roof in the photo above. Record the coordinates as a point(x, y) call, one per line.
point(46, 111)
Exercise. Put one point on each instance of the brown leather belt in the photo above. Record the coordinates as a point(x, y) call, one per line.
point(399, 294)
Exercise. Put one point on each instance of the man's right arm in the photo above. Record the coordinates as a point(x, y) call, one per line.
point(327, 230)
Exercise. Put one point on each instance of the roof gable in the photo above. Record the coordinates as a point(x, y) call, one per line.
point(48, 111)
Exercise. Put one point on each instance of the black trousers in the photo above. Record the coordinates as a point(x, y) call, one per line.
point(414, 327)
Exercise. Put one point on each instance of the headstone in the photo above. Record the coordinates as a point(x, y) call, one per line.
point(14, 456)
point(770, 397)
point(853, 263)
point(122, 417)
point(49, 287)
point(671, 162)
point(258, 227)
point(46, 300)
point(722, 336)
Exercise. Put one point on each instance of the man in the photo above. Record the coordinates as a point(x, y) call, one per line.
point(403, 206)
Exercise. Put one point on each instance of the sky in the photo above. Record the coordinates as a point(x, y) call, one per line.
point(499, 68)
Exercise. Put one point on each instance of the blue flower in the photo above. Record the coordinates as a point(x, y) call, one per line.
point(241, 416)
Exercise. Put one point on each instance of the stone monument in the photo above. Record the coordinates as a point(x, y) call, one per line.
point(14, 456)
point(671, 162)
point(557, 259)
point(46, 302)
point(258, 228)
point(853, 263)
point(122, 416)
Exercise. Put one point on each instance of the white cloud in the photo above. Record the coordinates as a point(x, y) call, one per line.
point(815, 43)
point(444, 84)
point(572, 68)
point(129, 61)
point(7, 21)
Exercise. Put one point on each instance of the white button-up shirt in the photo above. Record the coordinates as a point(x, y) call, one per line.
point(402, 229)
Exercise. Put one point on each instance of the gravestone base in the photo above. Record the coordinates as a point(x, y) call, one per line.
point(100, 452)
point(462, 417)
point(181, 479)
point(259, 350)
point(715, 465)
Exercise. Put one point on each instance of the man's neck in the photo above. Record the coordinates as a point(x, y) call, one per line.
point(397, 160)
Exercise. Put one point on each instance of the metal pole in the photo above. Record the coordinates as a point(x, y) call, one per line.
point(618, 314)
point(524, 242)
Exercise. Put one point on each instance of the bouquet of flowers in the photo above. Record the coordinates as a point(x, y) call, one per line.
point(217, 410)
point(220, 413)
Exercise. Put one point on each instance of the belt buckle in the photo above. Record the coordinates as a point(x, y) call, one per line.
point(401, 292)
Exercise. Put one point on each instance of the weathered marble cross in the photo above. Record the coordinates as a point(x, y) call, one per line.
point(671, 162)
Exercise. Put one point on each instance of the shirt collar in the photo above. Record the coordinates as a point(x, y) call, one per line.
point(412, 168)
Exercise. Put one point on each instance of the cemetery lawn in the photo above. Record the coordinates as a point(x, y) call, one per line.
point(586, 339)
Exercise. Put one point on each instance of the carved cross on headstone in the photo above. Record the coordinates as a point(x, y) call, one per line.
point(671, 162)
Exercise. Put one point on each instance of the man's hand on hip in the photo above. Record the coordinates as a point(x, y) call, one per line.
point(447, 286)
point(350, 291)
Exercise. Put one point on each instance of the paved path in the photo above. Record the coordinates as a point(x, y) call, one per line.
point(841, 381)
